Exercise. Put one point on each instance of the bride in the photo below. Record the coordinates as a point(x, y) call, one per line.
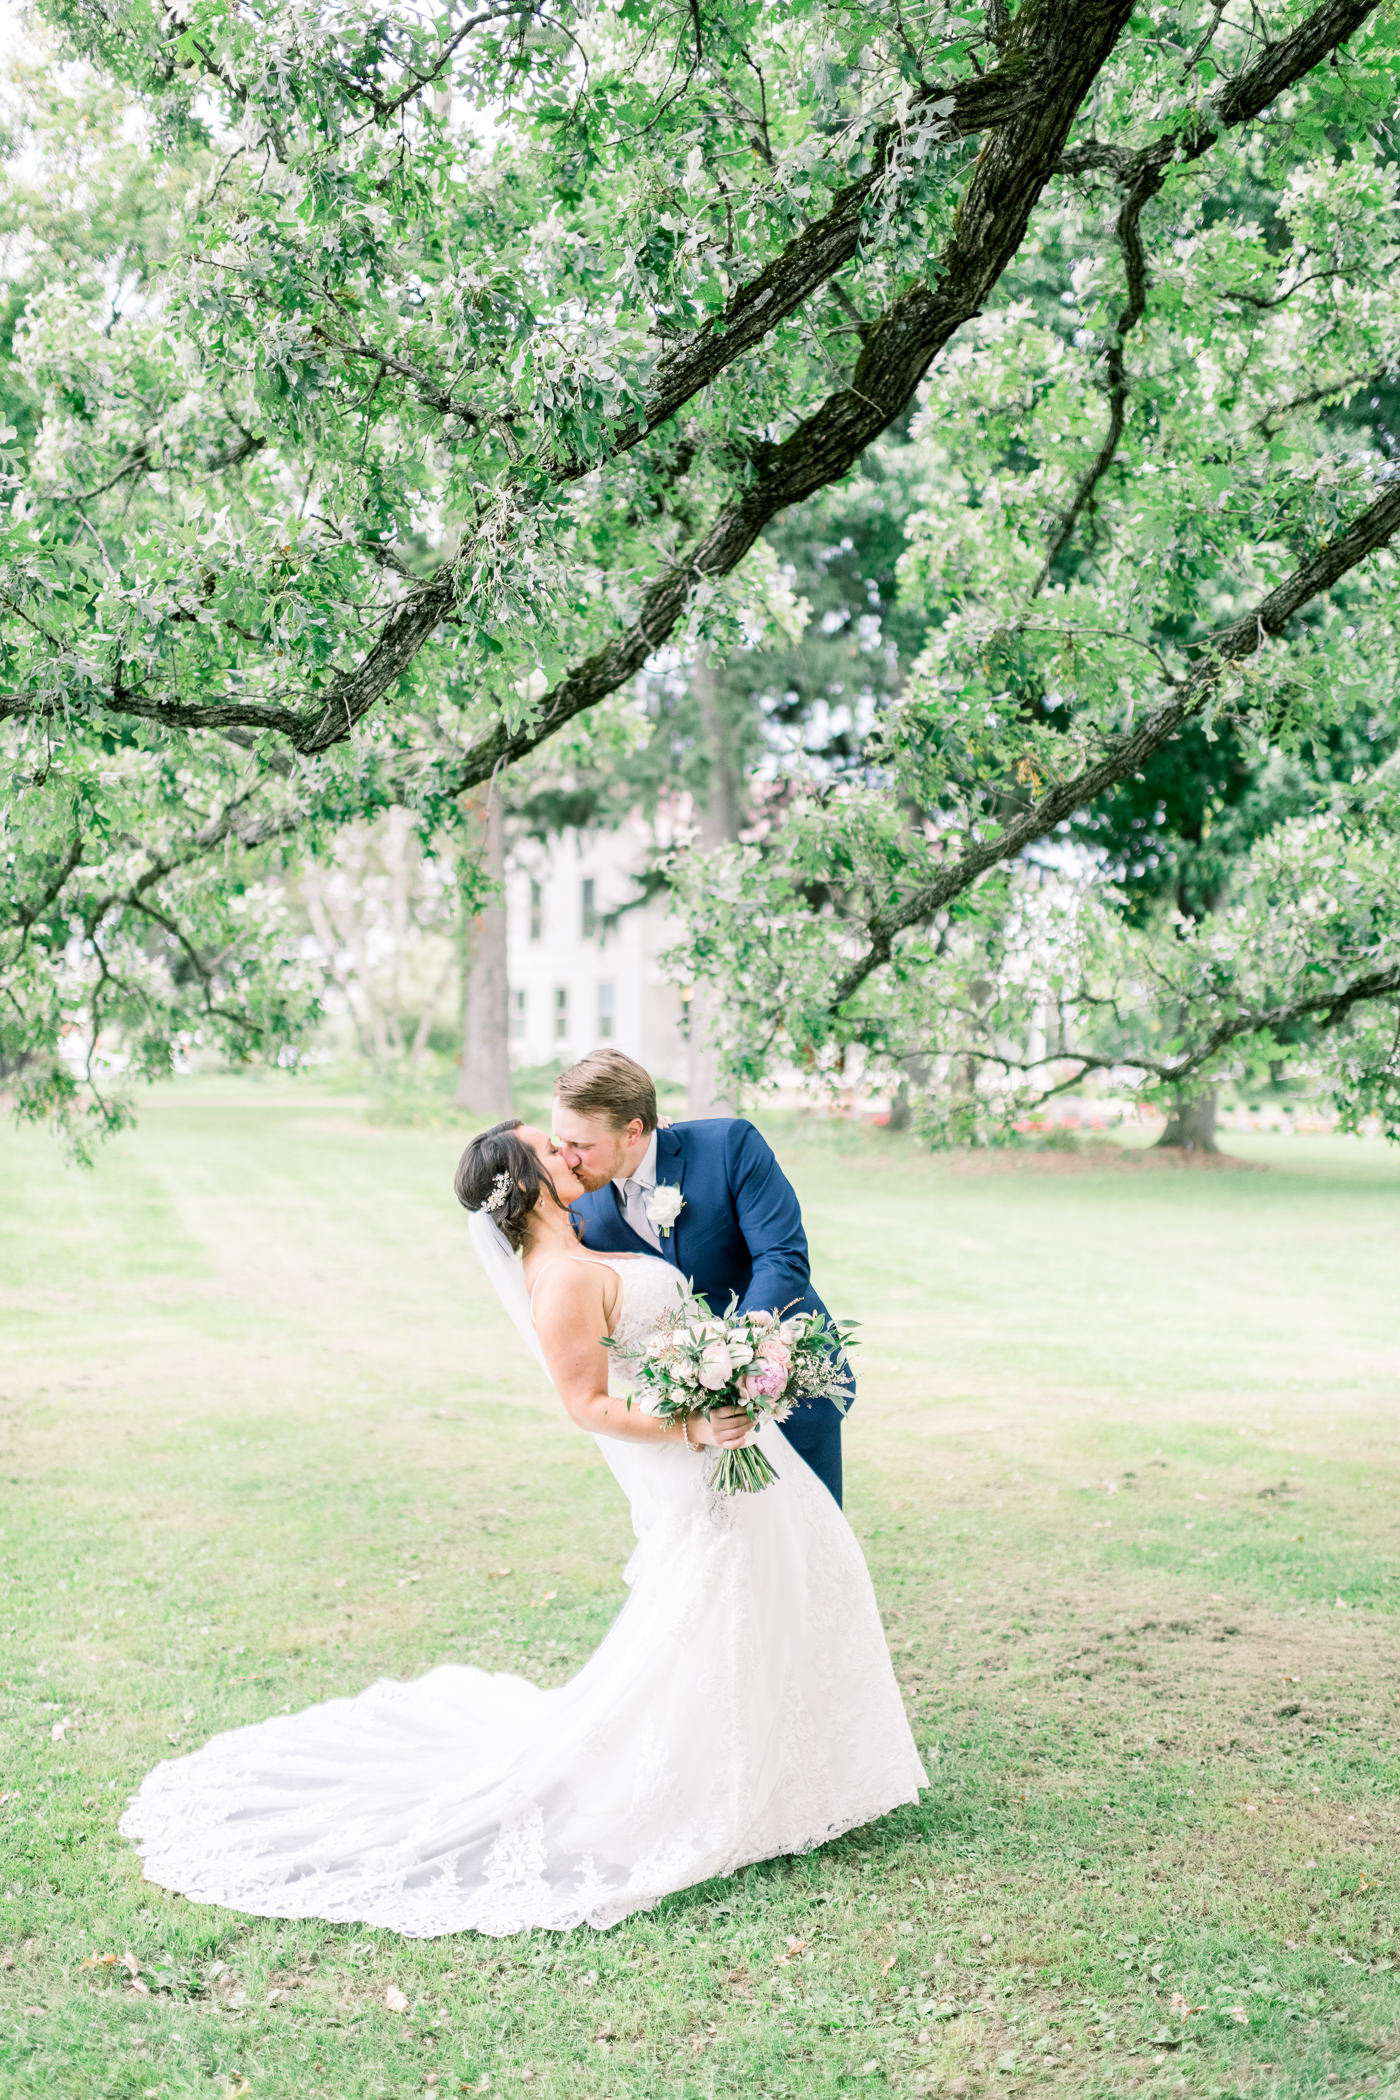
point(741, 1706)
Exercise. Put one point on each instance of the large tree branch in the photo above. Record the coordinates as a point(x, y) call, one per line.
point(789, 280)
point(1054, 53)
point(781, 287)
point(1247, 96)
point(1060, 48)
point(1373, 528)
point(991, 222)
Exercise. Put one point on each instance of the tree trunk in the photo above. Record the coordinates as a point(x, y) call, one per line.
point(719, 826)
point(1191, 1123)
point(483, 1080)
point(901, 1101)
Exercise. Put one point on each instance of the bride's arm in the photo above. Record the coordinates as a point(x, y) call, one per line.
point(571, 1313)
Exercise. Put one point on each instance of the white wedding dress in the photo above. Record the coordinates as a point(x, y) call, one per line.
point(741, 1706)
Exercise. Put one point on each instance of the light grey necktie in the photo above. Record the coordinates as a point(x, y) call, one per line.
point(635, 1212)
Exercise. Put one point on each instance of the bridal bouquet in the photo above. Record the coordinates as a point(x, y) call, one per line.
point(694, 1362)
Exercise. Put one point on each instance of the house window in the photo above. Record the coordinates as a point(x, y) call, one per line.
point(590, 907)
point(517, 1016)
point(606, 1013)
point(536, 911)
point(561, 1013)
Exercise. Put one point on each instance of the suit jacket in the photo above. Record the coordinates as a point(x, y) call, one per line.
point(739, 1230)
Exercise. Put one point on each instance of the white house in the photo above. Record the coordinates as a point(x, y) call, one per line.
point(582, 953)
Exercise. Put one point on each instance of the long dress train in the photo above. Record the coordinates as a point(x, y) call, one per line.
point(742, 1705)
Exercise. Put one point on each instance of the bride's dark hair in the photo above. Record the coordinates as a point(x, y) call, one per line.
point(491, 1154)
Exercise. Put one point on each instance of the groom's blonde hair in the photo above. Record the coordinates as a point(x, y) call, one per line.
point(608, 1083)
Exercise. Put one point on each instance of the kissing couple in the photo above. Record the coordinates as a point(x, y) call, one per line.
point(742, 1704)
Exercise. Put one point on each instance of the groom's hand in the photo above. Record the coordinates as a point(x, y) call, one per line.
point(726, 1426)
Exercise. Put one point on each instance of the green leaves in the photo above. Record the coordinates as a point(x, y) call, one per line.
point(402, 381)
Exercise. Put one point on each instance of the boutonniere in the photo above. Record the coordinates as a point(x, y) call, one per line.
point(663, 1206)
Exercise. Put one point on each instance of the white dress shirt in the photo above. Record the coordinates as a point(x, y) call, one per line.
point(634, 1189)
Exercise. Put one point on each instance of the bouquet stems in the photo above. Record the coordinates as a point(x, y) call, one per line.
point(742, 1471)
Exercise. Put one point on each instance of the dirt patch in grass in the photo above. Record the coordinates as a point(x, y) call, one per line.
point(1190, 1679)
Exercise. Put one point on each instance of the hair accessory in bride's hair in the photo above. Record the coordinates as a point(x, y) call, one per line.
point(500, 1189)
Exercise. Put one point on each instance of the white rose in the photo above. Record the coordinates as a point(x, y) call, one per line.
point(663, 1206)
point(716, 1367)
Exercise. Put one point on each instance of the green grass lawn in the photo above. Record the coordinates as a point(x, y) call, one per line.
point(1124, 1465)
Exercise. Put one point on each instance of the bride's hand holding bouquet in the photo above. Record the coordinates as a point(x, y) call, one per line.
point(757, 1364)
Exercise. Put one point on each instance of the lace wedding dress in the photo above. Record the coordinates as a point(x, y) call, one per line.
point(742, 1705)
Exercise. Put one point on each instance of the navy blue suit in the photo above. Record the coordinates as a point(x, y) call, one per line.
point(738, 1233)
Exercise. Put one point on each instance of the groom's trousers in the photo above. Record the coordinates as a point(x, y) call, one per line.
point(814, 1429)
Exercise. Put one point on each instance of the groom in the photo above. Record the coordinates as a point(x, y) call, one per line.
point(709, 1197)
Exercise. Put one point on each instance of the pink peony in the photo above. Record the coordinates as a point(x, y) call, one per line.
point(768, 1382)
point(759, 1319)
point(773, 1350)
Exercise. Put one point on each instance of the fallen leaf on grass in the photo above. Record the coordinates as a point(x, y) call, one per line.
point(496, 1574)
point(1237, 2012)
point(131, 1964)
point(1182, 2009)
point(395, 1999)
point(99, 1961)
point(794, 1948)
point(886, 1966)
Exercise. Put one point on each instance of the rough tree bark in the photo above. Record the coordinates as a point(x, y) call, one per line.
point(719, 826)
point(483, 1078)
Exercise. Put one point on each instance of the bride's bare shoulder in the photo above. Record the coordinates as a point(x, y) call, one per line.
point(569, 1280)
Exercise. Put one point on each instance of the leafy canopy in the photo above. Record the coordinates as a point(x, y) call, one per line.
point(388, 386)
